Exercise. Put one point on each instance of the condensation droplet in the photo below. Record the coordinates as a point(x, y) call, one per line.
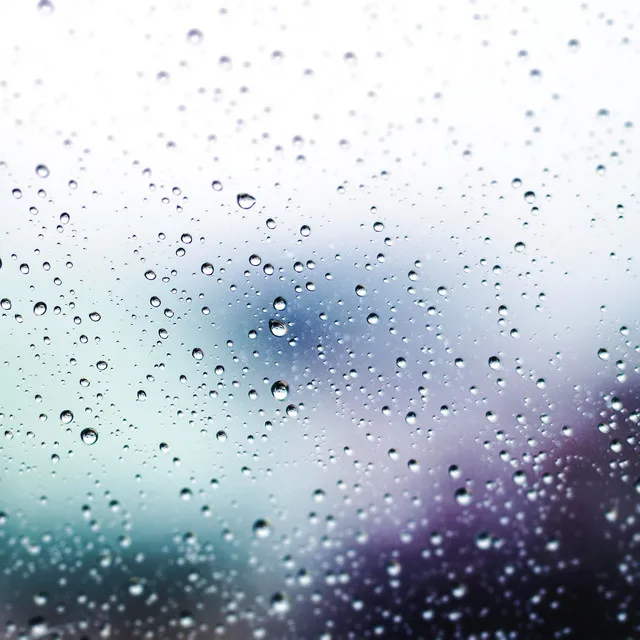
point(280, 390)
point(245, 201)
point(194, 36)
point(89, 435)
point(39, 308)
point(262, 528)
point(277, 328)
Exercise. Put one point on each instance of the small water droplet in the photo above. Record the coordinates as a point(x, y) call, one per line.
point(187, 620)
point(194, 36)
point(361, 291)
point(463, 497)
point(603, 354)
point(207, 268)
point(39, 308)
point(280, 603)
point(42, 171)
point(262, 528)
point(216, 185)
point(279, 304)
point(373, 318)
point(66, 416)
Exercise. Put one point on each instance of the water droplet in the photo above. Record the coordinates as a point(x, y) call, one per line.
point(186, 620)
point(136, 587)
point(42, 171)
point(216, 185)
point(394, 568)
point(529, 197)
point(5, 303)
point(150, 275)
point(39, 308)
point(89, 435)
point(221, 436)
point(279, 304)
point(280, 390)
point(361, 291)
point(207, 268)
point(94, 316)
point(245, 201)
point(603, 354)
point(262, 528)
point(197, 353)
point(574, 45)
point(66, 416)
point(305, 230)
point(494, 363)
point(45, 7)
point(194, 36)
point(463, 497)
point(373, 318)
point(519, 247)
point(277, 328)
point(280, 603)
point(413, 465)
point(186, 238)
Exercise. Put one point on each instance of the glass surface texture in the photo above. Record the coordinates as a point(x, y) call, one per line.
point(319, 320)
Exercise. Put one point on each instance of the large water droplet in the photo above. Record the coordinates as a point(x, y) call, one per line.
point(245, 201)
point(277, 328)
point(89, 435)
point(39, 308)
point(66, 416)
point(280, 390)
point(197, 353)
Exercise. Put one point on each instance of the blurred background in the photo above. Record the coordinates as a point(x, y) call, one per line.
point(319, 320)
